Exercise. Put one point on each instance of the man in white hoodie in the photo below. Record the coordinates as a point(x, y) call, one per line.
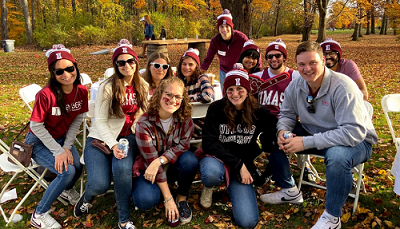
point(334, 123)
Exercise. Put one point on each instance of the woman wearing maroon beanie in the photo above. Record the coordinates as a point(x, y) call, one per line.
point(120, 101)
point(56, 117)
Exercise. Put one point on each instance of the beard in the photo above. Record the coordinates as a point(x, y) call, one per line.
point(276, 68)
point(331, 65)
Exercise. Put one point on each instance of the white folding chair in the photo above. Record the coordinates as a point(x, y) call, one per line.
point(199, 110)
point(391, 104)
point(109, 72)
point(7, 166)
point(358, 170)
point(28, 94)
point(85, 79)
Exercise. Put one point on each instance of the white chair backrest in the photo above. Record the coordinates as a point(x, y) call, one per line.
point(85, 79)
point(199, 110)
point(28, 94)
point(90, 113)
point(109, 72)
point(391, 103)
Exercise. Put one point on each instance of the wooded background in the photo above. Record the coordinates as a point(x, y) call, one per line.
point(86, 22)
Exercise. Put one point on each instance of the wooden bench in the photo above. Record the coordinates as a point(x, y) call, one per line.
point(162, 46)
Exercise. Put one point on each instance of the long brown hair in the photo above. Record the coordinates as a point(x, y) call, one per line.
point(55, 87)
point(118, 95)
point(185, 110)
point(250, 106)
point(193, 78)
point(147, 73)
point(147, 19)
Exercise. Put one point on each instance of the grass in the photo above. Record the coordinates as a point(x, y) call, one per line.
point(379, 62)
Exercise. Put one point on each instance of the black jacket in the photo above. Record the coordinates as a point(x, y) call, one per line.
point(239, 146)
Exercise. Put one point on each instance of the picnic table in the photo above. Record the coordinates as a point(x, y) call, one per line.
point(162, 45)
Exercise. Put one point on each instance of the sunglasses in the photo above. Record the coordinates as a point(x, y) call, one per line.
point(277, 56)
point(171, 96)
point(310, 108)
point(157, 66)
point(121, 63)
point(59, 72)
point(332, 54)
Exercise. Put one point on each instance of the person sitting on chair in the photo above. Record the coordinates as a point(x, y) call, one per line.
point(120, 101)
point(334, 124)
point(55, 121)
point(157, 69)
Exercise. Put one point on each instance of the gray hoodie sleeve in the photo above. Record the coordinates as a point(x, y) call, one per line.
point(40, 131)
point(73, 131)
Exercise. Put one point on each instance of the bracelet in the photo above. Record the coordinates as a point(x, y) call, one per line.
point(165, 201)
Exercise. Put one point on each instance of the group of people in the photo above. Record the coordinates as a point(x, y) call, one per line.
point(322, 107)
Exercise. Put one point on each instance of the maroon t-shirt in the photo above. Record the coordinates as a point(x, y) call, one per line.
point(129, 107)
point(46, 110)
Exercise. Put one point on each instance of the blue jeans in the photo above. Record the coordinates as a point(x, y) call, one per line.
point(64, 181)
point(145, 194)
point(243, 196)
point(101, 167)
point(338, 160)
point(221, 77)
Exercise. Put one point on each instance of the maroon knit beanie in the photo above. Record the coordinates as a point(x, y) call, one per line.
point(194, 53)
point(58, 52)
point(330, 45)
point(225, 18)
point(237, 77)
point(124, 47)
point(277, 45)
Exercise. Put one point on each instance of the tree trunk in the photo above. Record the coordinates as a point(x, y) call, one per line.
point(373, 20)
point(359, 30)
point(4, 20)
point(355, 33)
point(33, 15)
point(383, 25)
point(73, 5)
point(322, 8)
point(241, 13)
point(28, 24)
point(278, 6)
point(261, 23)
point(368, 22)
point(309, 12)
point(58, 10)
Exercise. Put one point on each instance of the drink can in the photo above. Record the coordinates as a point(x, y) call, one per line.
point(287, 134)
point(123, 145)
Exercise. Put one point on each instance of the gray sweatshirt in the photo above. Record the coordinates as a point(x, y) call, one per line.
point(341, 118)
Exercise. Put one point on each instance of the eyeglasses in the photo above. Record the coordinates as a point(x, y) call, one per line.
point(332, 54)
point(157, 66)
point(69, 69)
point(171, 96)
point(121, 63)
point(310, 108)
point(277, 56)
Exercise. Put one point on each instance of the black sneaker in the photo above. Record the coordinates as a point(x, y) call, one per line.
point(81, 207)
point(185, 214)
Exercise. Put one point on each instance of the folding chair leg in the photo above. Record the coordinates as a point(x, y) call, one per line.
point(359, 181)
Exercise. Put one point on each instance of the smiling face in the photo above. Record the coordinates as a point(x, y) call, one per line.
point(331, 58)
point(66, 79)
point(225, 31)
point(275, 63)
point(311, 67)
point(188, 67)
point(248, 63)
point(171, 99)
point(237, 95)
point(158, 74)
point(128, 69)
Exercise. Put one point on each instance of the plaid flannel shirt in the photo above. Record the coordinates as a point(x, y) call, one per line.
point(173, 144)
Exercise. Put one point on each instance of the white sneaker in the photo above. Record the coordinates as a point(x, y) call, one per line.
point(328, 221)
point(44, 221)
point(206, 197)
point(71, 195)
point(288, 195)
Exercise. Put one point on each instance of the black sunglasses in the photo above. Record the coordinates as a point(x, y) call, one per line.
point(332, 54)
point(310, 108)
point(121, 63)
point(69, 69)
point(157, 66)
point(277, 56)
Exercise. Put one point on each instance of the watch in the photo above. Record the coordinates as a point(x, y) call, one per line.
point(162, 161)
